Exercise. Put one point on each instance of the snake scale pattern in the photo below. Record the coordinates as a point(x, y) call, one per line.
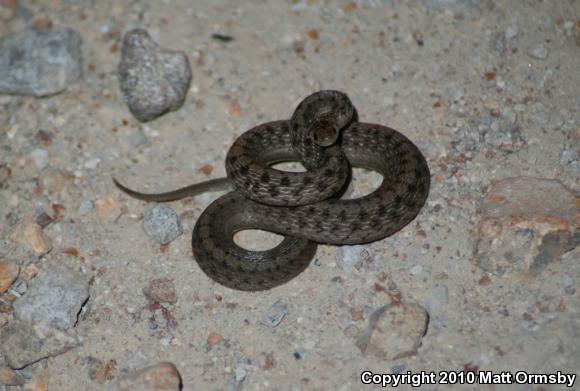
point(326, 137)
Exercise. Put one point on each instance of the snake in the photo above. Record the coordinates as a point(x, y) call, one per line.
point(324, 134)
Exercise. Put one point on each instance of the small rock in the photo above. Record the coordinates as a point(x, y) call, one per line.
point(160, 377)
point(240, 374)
point(499, 43)
point(568, 156)
point(526, 223)
point(161, 290)
point(8, 274)
point(275, 314)
point(108, 208)
point(214, 338)
point(31, 234)
point(153, 80)
point(86, 206)
point(54, 298)
point(39, 62)
point(538, 51)
point(162, 223)
point(138, 139)
point(417, 269)
point(511, 31)
point(436, 299)
point(349, 258)
point(24, 343)
point(394, 331)
point(93, 163)
point(40, 158)
point(10, 378)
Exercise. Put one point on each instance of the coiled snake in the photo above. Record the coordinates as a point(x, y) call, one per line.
point(324, 135)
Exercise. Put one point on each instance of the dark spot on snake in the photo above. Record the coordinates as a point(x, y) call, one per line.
point(265, 177)
point(411, 188)
point(244, 170)
point(307, 180)
point(382, 211)
point(273, 191)
point(325, 214)
point(362, 215)
point(329, 172)
point(312, 210)
point(398, 199)
point(342, 216)
point(285, 181)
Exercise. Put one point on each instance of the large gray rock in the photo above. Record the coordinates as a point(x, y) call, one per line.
point(54, 298)
point(39, 62)
point(153, 80)
point(24, 343)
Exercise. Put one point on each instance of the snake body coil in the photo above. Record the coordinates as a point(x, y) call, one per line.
point(324, 135)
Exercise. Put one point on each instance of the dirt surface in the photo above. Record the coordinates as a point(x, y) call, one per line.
point(440, 75)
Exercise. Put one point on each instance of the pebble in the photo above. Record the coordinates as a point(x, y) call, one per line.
point(416, 270)
point(54, 298)
point(9, 377)
point(394, 331)
point(499, 43)
point(40, 158)
point(161, 290)
point(538, 51)
point(24, 343)
point(436, 299)
point(214, 338)
point(275, 314)
point(108, 208)
point(568, 156)
point(525, 224)
point(153, 80)
point(30, 233)
point(93, 163)
point(86, 206)
point(39, 62)
point(349, 258)
point(162, 223)
point(138, 139)
point(9, 272)
point(240, 374)
point(511, 31)
point(163, 376)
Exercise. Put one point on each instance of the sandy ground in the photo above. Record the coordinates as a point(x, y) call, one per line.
point(433, 74)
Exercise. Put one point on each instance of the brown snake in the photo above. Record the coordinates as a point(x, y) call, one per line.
point(303, 206)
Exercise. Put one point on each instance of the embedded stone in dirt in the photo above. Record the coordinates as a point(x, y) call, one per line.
point(39, 62)
point(394, 331)
point(160, 377)
point(526, 223)
point(55, 298)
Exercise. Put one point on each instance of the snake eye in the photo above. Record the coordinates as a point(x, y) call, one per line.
point(324, 133)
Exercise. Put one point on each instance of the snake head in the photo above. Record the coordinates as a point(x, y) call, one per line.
point(324, 132)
